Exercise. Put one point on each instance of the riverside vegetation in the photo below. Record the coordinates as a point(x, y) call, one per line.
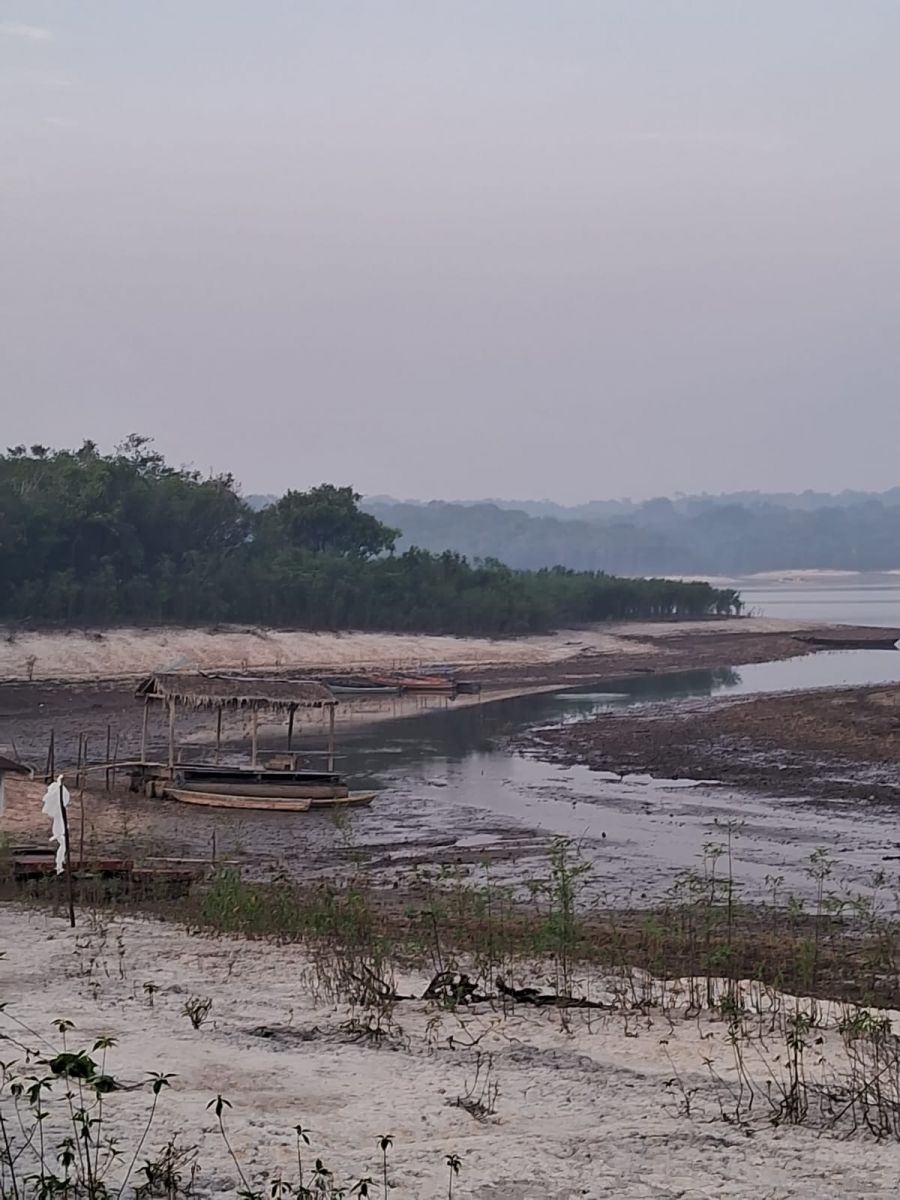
point(97, 539)
point(772, 986)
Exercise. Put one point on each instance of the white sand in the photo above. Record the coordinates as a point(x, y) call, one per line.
point(580, 1113)
point(122, 653)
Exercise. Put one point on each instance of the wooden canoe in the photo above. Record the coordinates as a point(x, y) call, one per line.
point(265, 804)
point(219, 800)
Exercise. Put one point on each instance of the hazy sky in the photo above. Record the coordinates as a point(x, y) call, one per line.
point(457, 248)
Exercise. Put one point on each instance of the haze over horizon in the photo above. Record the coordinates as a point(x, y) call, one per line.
point(593, 249)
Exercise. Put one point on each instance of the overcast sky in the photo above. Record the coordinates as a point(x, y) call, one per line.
point(458, 248)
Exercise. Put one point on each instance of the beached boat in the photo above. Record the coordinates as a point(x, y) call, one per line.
point(266, 804)
point(417, 683)
point(376, 691)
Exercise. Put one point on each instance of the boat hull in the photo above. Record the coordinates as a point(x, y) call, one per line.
point(266, 804)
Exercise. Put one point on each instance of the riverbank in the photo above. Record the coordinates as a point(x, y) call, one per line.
point(641, 1095)
point(611, 647)
point(83, 683)
point(837, 744)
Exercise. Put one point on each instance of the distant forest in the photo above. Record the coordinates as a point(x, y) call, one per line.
point(89, 538)
point(723, 535)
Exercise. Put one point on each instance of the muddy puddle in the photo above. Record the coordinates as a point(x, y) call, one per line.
point(451, 794)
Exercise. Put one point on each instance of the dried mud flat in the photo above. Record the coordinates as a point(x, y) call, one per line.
point(836, 743)
point(584, 1110)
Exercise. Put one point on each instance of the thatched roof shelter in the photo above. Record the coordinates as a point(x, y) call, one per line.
point(236, 692)
point(10, 765)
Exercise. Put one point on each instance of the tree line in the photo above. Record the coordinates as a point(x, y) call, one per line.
point(89, 538)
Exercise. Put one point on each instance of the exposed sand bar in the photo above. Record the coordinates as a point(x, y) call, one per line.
point(124, 653)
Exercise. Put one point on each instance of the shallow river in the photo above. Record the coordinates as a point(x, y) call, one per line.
point(450, 792)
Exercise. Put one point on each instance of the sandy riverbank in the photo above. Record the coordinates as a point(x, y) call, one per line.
point(129, 653)
point(84, 683)
point(596, 1109)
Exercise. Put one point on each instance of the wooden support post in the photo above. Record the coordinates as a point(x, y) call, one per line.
point(218, 732)
point(108, 752)
point(255, 736)
point(331, 737)
point(291, 713)
point(51, 758)
point(81, 821)
point(171, 739)
point(144, 731)
point(78, 764)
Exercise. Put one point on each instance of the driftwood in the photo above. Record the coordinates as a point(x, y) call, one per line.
point(528, 995)
point(455, 988)
point(450, 986)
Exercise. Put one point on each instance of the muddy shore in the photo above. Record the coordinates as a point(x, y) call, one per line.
point(834, 744)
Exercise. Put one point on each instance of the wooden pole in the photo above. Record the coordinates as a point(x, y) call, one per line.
point(254, 735)
point(51, 755)
point(81, 820)
point(108, 752)
point(78, 765)
point(144, 731)
point(171, 739)
point(291, 713)
point(331, 737)
point(68, 862)
point(218, 731)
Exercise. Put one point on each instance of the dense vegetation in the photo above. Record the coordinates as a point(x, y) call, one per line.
point(93, 538)
point(696, 535)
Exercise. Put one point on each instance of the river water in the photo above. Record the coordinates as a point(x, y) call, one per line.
point(867, 600)
point(451, 792)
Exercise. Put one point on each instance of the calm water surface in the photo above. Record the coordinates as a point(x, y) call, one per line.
point(874, 603)
point(449, 790)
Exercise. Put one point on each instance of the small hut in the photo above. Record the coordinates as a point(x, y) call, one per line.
point(234, 693)
point(9, 766)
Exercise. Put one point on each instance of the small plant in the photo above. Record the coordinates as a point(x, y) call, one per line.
point(384, 1144)
point(454, 1162)
point(482, 1092)
point(197, 1010)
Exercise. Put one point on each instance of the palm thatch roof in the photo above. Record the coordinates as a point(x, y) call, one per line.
point(13, 767)
point(235, 691)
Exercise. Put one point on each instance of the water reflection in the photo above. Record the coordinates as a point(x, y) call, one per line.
point(447, 777)
point(453, 734)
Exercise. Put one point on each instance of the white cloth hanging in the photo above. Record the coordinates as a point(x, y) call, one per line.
point(56, 798)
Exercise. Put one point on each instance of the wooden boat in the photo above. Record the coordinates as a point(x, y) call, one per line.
point(266, 804)
point(417, 683)
point(222, 800)
point(373, 690)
